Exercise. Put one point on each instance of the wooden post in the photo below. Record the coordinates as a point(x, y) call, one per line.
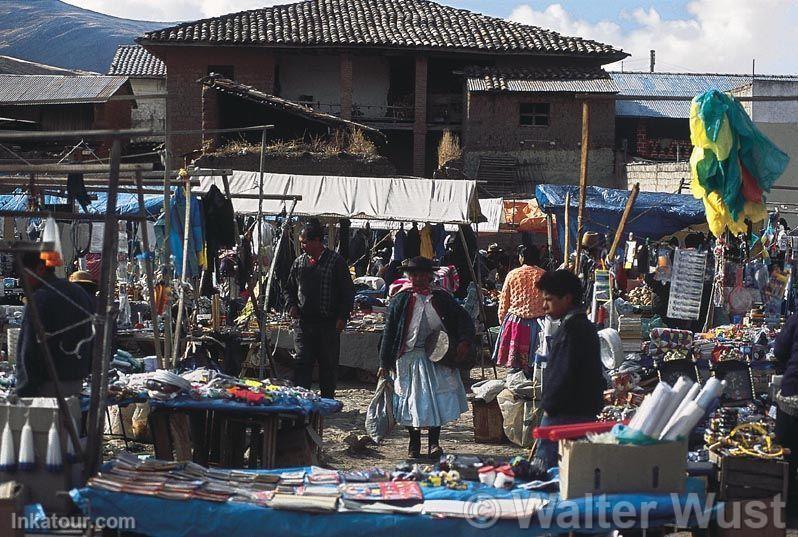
point(582, 181)
point(181, 301)
point(626, 212)
point(149, 274)
point(167, 272)
point(550, 236)
point(567, 253)
point(104, 323)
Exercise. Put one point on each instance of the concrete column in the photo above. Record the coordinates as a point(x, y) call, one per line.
point(346, 85)
point(420, 117)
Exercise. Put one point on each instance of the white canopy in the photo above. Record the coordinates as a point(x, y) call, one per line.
point(401, 199)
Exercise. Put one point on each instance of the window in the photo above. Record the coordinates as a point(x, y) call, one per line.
point(535, 114)
point(225, 70)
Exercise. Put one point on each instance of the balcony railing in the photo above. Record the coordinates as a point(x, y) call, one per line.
point(446, 109)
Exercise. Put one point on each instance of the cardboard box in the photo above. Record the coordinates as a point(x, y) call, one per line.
point(587, 468)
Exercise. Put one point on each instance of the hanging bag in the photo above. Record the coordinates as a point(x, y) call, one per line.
point(380, 420)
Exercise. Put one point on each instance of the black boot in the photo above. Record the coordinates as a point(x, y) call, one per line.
point(414, 449)
point(435, 451)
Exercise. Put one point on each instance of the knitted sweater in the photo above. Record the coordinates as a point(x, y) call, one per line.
point(520, 295)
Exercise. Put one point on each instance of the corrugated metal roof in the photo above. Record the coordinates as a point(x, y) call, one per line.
point(57, 89)
point(564, 79)
point(136, 61)
point(674, 84)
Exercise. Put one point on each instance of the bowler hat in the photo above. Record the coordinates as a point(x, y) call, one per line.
point(419, 264)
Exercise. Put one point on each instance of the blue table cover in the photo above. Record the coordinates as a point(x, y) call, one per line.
point(303, 407)
point(198, 518)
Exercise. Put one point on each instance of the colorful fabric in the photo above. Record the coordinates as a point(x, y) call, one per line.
point(448, 278)
point(427, 248)
point(520, 295)
point(517, 337)
point(732, 165)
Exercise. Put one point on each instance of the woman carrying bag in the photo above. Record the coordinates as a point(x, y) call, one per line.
point(427, 336)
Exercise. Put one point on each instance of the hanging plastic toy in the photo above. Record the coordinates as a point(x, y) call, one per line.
point(54, 257)
point(27, 454)
point(53, 463)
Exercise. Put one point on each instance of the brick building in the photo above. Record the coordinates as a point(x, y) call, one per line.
point(400, 66)
point(146, 75)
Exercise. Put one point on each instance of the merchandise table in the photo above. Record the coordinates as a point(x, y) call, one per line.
point(231, 416)
point(199, 518)
point(359, 349)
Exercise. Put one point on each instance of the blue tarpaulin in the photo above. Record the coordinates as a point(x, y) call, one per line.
point(126, 203)
point(654, 214)
point(198, 518)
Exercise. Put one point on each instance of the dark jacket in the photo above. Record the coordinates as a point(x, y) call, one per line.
point(56, 314)
point(457, 324)
point(573, 381)
point(323, 291)
point(786, 350)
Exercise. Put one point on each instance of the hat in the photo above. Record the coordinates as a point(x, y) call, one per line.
point(436, 345)
point(419, 264)
point(81, 276)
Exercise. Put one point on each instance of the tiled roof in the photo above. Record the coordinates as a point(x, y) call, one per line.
point(135, 61)
point(57, 89)
point(674, 84)
point(231, 87)
point(416, 24)
point(562, 80)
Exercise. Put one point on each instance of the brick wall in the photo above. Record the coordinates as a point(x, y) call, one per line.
point(420, 119)
point(210, 118)
point(659, 148)
point(558, 166)
point(187, 64)
point(113, 115)
point(493, 123)
point(659, 177)
point(346, 86)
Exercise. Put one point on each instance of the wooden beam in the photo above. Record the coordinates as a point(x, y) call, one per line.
point(626, 212)
point(85, 217)
point(567, 221)
point(72, 168)
point(582, 181)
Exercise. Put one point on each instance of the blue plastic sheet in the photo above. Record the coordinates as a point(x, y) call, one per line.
point(126, 203)
point(198, 518)
point(654, 214)
point(299, 406)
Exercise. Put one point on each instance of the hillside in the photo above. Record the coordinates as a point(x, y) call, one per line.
point(62, 35)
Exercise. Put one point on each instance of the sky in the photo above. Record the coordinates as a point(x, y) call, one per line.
point(720, 36)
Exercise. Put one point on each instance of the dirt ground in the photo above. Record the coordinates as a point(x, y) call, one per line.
point(341, 430)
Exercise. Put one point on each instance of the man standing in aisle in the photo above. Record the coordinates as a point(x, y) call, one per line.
point(66, 313)
point(319, 294)
point(573, 381)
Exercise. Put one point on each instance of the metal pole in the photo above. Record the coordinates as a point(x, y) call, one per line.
point(145, 240)
point(184, 266)
point(105, 300)
point(582, 182)
point(265, 300)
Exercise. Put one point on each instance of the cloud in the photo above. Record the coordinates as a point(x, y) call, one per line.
point(713, 36)
point(170, 10)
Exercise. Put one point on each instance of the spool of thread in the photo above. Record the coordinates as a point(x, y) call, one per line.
point(8, 459)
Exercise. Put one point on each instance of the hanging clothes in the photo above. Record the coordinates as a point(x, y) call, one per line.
point(219, 221)
point(439, 241)
point(344, 226)
point(196, 242)
point(399, 240)
point(413, 242)
point(427, 249)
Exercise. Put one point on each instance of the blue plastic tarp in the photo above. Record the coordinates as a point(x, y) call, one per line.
point(198, 518)
point(654, 214)
point(126, 203)
point(297, 406)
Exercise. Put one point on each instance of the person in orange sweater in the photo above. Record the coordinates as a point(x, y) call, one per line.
point(520, 306)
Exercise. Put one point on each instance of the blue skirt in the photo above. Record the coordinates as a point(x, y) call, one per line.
point(427, 394)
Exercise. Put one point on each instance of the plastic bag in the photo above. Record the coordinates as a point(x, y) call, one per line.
point(380, 420)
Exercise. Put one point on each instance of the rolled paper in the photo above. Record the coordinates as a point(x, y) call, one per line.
point(680, 389)
point(27, 455)
point(661, 398)
point(685, 422)
point(8, 459)
point(691, 395)
point(54, 463)
point(711, 391)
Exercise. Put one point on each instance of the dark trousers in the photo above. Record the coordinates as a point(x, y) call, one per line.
point(787, 436)
point(548, 449)
point(317, 342)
